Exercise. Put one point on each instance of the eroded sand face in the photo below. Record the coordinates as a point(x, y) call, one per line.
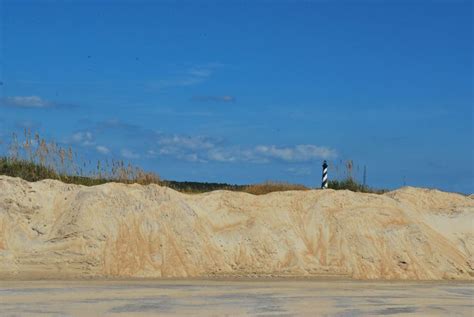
point(235, 298)
point(51, 229)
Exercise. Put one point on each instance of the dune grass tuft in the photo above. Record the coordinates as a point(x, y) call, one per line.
point(272, 186)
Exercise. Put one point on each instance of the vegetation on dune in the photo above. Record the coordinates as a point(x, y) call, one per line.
point(270, 186)
point(26, 170)
point(255, 189)
point(351, 184)
point(34, 172)
point(201, 187)
point(34, 159)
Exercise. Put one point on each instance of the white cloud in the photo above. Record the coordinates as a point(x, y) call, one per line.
point(26, 102)
point(204, 149)
point(235, 154)
point(214, 98)
point(128, 154)
point(102, 149)
point(298, 153)
point(84, 138)
point(187, 142)
point(193, 157)
point(151, 153)
point(222, 155)
point(182, 147)
point(179, 82)
point(192, 76)
point(200, 72)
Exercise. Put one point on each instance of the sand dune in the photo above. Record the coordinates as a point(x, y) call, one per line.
point(51, 229)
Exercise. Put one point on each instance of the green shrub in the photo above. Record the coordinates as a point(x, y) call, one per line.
point(26, 170)
point(352, 185)
point(271, 186)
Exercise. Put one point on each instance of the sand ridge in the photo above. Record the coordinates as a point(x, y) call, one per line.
point(52, 229)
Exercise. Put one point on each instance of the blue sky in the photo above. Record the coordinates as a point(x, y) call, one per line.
point(245, 92)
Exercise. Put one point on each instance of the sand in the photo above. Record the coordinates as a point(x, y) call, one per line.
point(235, 298)
point(49, 229)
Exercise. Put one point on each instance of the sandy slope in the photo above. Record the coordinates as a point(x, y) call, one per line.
point(51, 229)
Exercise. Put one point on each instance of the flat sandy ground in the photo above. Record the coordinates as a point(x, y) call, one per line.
point(235, 298)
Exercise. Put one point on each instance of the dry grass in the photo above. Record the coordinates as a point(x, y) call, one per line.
point(271, 186)
point(34, 158)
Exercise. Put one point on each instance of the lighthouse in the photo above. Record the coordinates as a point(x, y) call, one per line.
point(324, 183)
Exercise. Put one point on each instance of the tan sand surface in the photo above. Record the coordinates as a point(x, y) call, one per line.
point(52, 229)
point(235, 298)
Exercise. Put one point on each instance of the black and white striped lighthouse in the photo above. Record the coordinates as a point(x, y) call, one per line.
point(324, 183)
